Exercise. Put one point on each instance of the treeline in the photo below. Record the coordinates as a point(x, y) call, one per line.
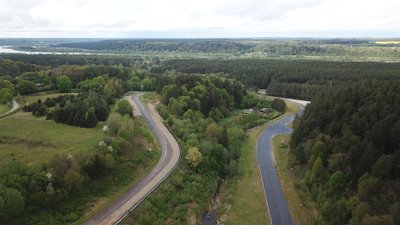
point(333, 47)
point(288, 78)
point(52, 60)
point(198, 111)
point(10, 68)
point(349, 142)
point(84, 109)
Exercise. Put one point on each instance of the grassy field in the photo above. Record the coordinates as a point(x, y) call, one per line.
point(248, 202)
point(33, 140)
point(42, 95)
point(4, 108)
point(301, 206)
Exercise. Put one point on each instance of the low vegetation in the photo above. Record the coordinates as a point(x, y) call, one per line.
point(4, 108)
point(244, 202)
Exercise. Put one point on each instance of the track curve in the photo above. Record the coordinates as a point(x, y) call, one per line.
point(119, 209)
point(275, 199)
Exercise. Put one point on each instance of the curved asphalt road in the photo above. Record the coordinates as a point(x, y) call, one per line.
point(119, 209)
point(277, 206)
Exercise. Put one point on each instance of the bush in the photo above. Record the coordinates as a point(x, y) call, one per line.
point(123, 107)
point(279, 105)
point(64, 84)
point(6, 96)
point(26, 87)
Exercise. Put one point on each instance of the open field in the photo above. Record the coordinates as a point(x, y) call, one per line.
point(248, 202)
point(4, 108)
point(302, 209)
point(41, 95)
point(34, 140)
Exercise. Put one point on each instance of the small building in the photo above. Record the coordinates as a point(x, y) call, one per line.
point(248, 111)
point(267, 110)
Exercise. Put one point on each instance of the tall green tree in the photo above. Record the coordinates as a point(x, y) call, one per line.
point(6, 96)
point(123, 107)
point(12, 203)
point(26, 87)
point(64, 83)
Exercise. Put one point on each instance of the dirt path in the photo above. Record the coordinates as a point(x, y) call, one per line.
point(14, 108)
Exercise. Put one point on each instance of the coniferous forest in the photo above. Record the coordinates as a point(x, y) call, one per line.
point(349, 141)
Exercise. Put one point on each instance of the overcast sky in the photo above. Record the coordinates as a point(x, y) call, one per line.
point(201, 18)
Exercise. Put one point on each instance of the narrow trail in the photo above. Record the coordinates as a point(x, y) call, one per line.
point(13, 109)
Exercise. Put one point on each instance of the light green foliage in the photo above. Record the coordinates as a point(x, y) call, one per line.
point(7, 84)
point(193, 157)
point(64, 84)
point(114, 123)
point(123, 107)
point(319, 150)
point(236, 135)
point(127, 128)
point(95, 84)
point(110, 161)
point(123, 131)
point(148, 84)
point(134, 83)
point(175, 107)
point(213, 133)
point(6, 95)
point(317, 173)
point(114, 88)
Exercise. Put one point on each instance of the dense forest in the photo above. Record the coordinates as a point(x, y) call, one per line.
point(269, 47)
point(287, 78)
point(64, 59)
point(349, 142)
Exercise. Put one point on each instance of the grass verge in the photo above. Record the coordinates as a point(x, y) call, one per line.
point(247, 200)
point(4, 108)
point(302, 209)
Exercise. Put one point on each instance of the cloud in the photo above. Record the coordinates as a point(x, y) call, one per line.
point(205, 18)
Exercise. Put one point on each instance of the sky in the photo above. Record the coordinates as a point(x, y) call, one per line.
point(199, 19)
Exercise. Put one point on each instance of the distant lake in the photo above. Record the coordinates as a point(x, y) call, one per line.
point(8, 49)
